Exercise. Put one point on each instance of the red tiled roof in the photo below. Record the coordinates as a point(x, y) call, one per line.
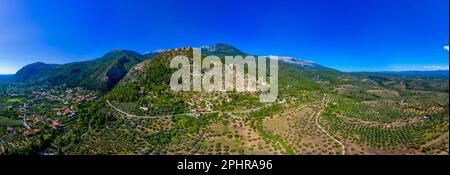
point(27, 133)
point(56, 123)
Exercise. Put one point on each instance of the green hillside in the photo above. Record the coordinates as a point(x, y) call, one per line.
point(32, 72)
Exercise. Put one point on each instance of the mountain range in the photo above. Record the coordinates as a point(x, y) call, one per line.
point(99, 74)
point(105, 72)
point(435, 73)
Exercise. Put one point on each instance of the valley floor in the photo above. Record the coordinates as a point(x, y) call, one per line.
point(308, 123)
point(300, 129)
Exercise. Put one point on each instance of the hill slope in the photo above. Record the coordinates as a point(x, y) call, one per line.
point(101, 74)
point(147, 83)
point(33, 71)
point(5, 78)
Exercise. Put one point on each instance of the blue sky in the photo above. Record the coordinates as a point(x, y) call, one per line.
point(349, 35)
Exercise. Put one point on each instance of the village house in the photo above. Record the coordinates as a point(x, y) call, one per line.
point(29, 120)
point(56, 123)
point(27, 133)
point(228, 99)
point(37, 131)
point(144, 108)
point(209, 106)
point(73, 114)
point(197, 112)
point(10, 130)
point(282, 101)
point(68, 111)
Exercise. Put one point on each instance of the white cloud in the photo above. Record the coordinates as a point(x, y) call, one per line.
point(446, 48)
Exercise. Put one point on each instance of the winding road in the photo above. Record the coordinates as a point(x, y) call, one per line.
point(142, 117)
point(326, 132)
point(25, 121)
point(232, 115)
point(189, 114)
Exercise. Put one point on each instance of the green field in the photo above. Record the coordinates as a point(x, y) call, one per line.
point(14, 100)
point(9, 122)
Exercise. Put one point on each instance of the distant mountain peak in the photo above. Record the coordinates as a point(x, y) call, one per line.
point(115, 51)
point(118, 53)
point(160, 50)
point(300, 62)
point(121, 51)
point(223, 45)
point(219, 46)
point(38, 63)
point(294, 60)
point(221, 49)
